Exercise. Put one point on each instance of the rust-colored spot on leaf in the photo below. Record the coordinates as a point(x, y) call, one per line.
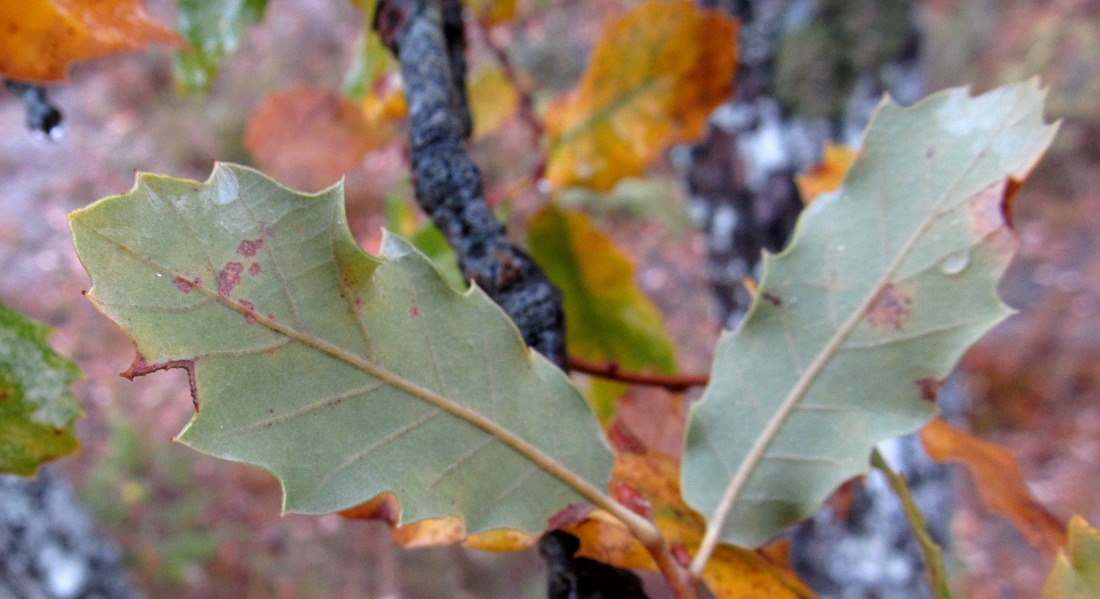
point(773, 299)
point(254, 268)
point(249, 247)
point(631, 498)
point(229, 277)
point(928, 387)
point(984, 210)
point(892, 309)
point(185, 285)
point(250, 311)
point(141, 367)
point(624, 440)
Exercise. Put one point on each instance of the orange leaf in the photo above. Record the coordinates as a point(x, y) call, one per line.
point(654, 76)
point(435, 532)
point(999, 482)
point(42, 37)
point(308, 138)
point(828, 175)
point(732, 572)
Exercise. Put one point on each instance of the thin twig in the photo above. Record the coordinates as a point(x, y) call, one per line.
point(610, 370)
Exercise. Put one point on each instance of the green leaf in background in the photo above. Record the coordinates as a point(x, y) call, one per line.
point(37, 411)
point(370, 59)
point(607, 318)
point(934, 568)
point(214, 30)
point(343, 374)
point(1076, 573)
point(884, 285)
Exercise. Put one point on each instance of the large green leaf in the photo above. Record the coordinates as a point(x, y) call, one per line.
point(1076, 571)
point(884, 285)
point(36, 409)
point(214, 30)
point(343, 374)
point(608, 319)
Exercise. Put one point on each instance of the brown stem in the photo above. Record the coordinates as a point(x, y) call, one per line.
point(526, 102)
point(684, 585)
point(610, 370)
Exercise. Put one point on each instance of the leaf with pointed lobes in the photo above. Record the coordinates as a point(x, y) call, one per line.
point(1076, 572)
point(343, 374)
point(827, 176)
point(998, 480)
point(607, 318)
point(37, 411)
point(41, 38)
point(653, 78)
point(884, 285)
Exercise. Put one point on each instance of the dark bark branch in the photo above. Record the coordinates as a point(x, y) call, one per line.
point(427, 38)
point(610, 371)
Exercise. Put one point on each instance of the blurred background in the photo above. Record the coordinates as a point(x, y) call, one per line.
point(191, 526)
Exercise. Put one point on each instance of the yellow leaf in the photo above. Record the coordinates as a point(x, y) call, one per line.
point(828, 175)
point(493, 100)
point(492, 12)
point(1076, 571)
point(731, 573)
point(653, 78)
point(998, 480)
point(608, 319)
point(42, 37)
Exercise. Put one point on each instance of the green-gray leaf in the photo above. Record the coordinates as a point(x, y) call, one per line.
point(36, 409)
point(214, 30)
point(886, 282)
point(343, 374)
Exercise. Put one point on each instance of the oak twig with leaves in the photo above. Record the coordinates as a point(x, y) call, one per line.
point(362, 380)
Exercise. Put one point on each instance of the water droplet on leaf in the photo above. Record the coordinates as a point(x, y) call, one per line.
point(955, 262)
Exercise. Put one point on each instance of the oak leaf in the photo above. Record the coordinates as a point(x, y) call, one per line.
point(37, 411)
point(1076, 572)
point(884, 285)
point(310, 137)
point(41, 38)
point(654, 76)
point(343, 374)
point(608, 319)
point(998, 481)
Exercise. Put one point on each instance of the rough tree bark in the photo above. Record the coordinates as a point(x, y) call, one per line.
point(48, 547)
point(811, 71)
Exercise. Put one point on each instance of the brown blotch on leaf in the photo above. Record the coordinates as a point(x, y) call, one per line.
point(185, 285)
point(229, 277)
point(987, 216)
point(892, 309)
point(773, 299)
point(930, 152)
point(141, 367)
point(249, 247)
point(254, 268)
point(928, 387)
point(380, 507)
point(250, 311)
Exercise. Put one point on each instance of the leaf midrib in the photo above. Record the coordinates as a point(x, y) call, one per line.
point(756, 453)
point(638, 525)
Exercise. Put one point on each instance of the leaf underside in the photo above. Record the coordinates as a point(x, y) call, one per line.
point(886, 282)
point(343, 374)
